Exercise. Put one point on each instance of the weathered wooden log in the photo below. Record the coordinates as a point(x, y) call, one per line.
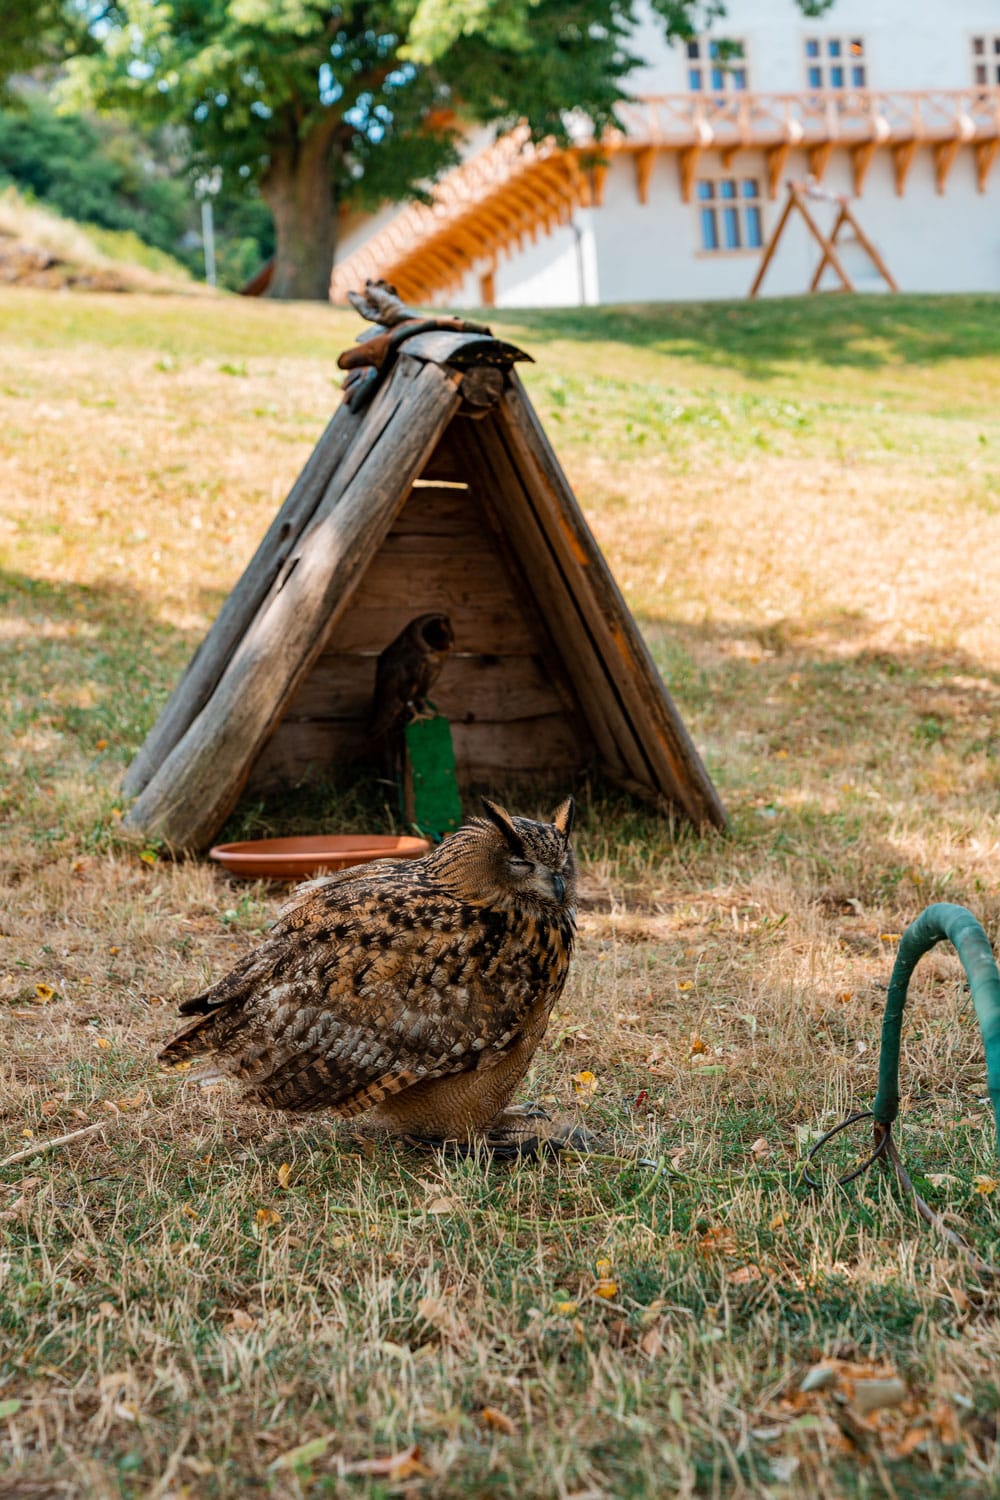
point(206, 666)
point(332, 461)
point(482, 386)
point(677, 769)
point(485, 456)
point(199, 781)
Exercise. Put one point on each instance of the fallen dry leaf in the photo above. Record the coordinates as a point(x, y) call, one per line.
point(744, 1274)
point(697, 1046)
point(240, 1321)
point(442, 1206)
point(43, 994)
point(398, 1466)
point(651, 1343)
point(985, 1184)
point(498, 1420)
point(566, 1309)
point(606, 1288)
point(266, 1218)
point(761, 1147)
point(585, 1084)
point(284, 1174)
point(718, 1240)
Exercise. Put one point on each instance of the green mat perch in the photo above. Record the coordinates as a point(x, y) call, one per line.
point(429, 790)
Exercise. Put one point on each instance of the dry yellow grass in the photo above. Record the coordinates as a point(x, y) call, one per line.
point(801, 501)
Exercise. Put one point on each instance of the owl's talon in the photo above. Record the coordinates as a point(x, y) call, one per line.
point(516, 1112)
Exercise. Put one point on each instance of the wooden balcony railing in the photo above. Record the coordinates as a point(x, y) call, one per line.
point(515, 188)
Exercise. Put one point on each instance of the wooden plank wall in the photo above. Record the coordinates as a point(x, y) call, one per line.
point(510, 719)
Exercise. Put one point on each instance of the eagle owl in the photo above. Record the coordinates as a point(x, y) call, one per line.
point(407, 670)
point(417, 990)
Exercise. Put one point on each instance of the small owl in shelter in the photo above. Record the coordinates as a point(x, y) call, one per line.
point(416, 991)
point(407, 670)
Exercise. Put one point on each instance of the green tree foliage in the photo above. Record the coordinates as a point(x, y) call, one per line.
point(104, 171)
point(38, 33)
point(327, 102)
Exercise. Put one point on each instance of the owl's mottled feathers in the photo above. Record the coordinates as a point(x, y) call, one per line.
point(419, 989)
point(407, 670)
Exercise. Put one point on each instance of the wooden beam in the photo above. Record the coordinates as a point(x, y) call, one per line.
point(824, 259)
point(728, 156)
point(830, 255)
point(687, 161)
point(598, 176)
point(644, 163)
point(632, 687)
point(237, 613)
point(986, 155)
point(861, 160)
point(944, 159)
point(818, 157)
point(772, 245)
point(776, 158)
point(902, 160)
point(868, 245)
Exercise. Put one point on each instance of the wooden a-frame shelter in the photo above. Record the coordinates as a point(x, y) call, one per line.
point(407, 505)
point(798, 193)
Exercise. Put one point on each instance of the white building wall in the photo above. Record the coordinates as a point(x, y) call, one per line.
point(626, 251)
point(909, 44)
point(931, 242)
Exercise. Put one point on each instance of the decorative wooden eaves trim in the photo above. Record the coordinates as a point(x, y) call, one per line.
point(776, 159)
point(818, 157)
point(514, 188)
point(644, 162)
point(986, 155)
point(687, 161)
point(902, 161)
point(944, 159)
point(861, 160)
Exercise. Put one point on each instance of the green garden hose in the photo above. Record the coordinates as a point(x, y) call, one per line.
point(965, 933)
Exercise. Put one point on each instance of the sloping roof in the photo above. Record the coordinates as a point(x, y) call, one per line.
point(404, 506)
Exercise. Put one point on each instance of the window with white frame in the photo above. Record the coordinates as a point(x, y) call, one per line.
point(836, 62)
point(986, 59)
point(717, 65)
point(730, 213)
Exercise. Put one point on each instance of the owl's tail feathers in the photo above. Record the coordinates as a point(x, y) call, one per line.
point(209, 1008)
point(191, 1042)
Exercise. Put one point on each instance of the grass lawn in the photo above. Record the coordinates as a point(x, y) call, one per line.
point(801, 501)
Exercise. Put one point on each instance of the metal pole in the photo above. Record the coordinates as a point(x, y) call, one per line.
point(208, 239)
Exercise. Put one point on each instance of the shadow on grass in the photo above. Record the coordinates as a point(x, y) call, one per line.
point(859, 332)
point(87, 661)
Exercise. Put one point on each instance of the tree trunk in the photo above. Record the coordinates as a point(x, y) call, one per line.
point(298, 188)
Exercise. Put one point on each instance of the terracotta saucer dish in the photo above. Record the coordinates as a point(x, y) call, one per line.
point(298, 858)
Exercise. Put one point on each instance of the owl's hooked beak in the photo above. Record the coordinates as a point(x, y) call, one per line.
point(558, 887)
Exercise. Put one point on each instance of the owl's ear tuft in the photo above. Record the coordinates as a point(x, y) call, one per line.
point(562, 818)
point(504, 823)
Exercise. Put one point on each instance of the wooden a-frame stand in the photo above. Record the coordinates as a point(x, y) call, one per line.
point(798, 192)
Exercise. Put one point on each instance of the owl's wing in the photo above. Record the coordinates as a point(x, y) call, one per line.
point(355, 995)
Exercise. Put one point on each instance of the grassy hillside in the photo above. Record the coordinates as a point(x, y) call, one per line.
point(39, 248)
point(801, 501)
